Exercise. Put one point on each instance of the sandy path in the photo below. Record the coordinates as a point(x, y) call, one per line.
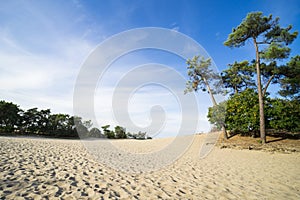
point(63, 169)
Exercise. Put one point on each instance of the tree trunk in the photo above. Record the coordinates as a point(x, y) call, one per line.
point(211, 94)
point(215, 104)
point(267, 85)
point(260, 96)
point(224, 132)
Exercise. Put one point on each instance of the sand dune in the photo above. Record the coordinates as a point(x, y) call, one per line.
point(65, 169)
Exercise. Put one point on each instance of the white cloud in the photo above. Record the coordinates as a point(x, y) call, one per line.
point(174, 26)
point(136, 98)
point(40, 79)
point(39, 67)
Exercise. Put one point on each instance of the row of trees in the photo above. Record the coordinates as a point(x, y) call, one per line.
point(14, 120)
point(249, 108)
point(38, 122)
point(120, 133)
point(240, 114)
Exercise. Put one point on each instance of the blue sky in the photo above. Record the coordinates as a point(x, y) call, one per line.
point(44, 43)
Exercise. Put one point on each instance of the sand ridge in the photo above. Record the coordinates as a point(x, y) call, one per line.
point(64, 169)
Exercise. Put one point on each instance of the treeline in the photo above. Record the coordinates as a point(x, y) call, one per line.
point(35, 122)
point(250, 109)
point(240, 114)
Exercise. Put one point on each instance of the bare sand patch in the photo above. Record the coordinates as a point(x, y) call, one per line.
point(64, 169)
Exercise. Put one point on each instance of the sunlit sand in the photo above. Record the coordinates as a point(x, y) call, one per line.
point(55, 168)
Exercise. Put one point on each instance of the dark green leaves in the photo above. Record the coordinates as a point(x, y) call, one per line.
point(9, 116)
point(201, 75)
point(285, 115)
point(251, 27)
point(240, 113)
point(267, 31)
point(280, 35)
point(275, 51)
point(238, 76)
point(217, 114)
point(290, 83)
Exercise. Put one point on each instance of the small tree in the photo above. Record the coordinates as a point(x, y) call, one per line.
point(264, 32)
point(238, 77)
point(130, 135)
point(242, 112)
point(95, 132)
point(141, 135)
point(63, 125)
point(44, 117)
point(217, 114)
point(204, 78)
point(9, 116)
point(80, 127)
point(285, 115)
point(120, 132)
point(30, 121)
point(108, 133)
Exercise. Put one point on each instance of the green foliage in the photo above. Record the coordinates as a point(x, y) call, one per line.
point(33, 121)
point(265, 33)
point(238, 76)
point(285, 115)
point(242, 112)
point(9, 116)
point(139, 136)
point(108, 133)
point(80, 126)
point(201, 75)
point(216, 115)
point(120, 132)
point(251, 27)
point(270, 72)
point(290, 83)
point(37, 122)
point(105, 128)
point(62, 125)
point(275, 51)
point(41, 122)
point(130, 135)
point(271, 34)
point(44, 116)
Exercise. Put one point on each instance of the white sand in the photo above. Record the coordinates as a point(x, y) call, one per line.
point(63, 169)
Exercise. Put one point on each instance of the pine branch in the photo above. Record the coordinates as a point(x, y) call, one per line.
point(267, 85)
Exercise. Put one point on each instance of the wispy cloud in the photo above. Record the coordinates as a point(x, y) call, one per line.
point(125, 94)
point(174, 26)
point(38, 63)
point(43, 46)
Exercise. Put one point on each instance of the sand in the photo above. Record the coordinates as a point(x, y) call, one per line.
point(33, 168)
